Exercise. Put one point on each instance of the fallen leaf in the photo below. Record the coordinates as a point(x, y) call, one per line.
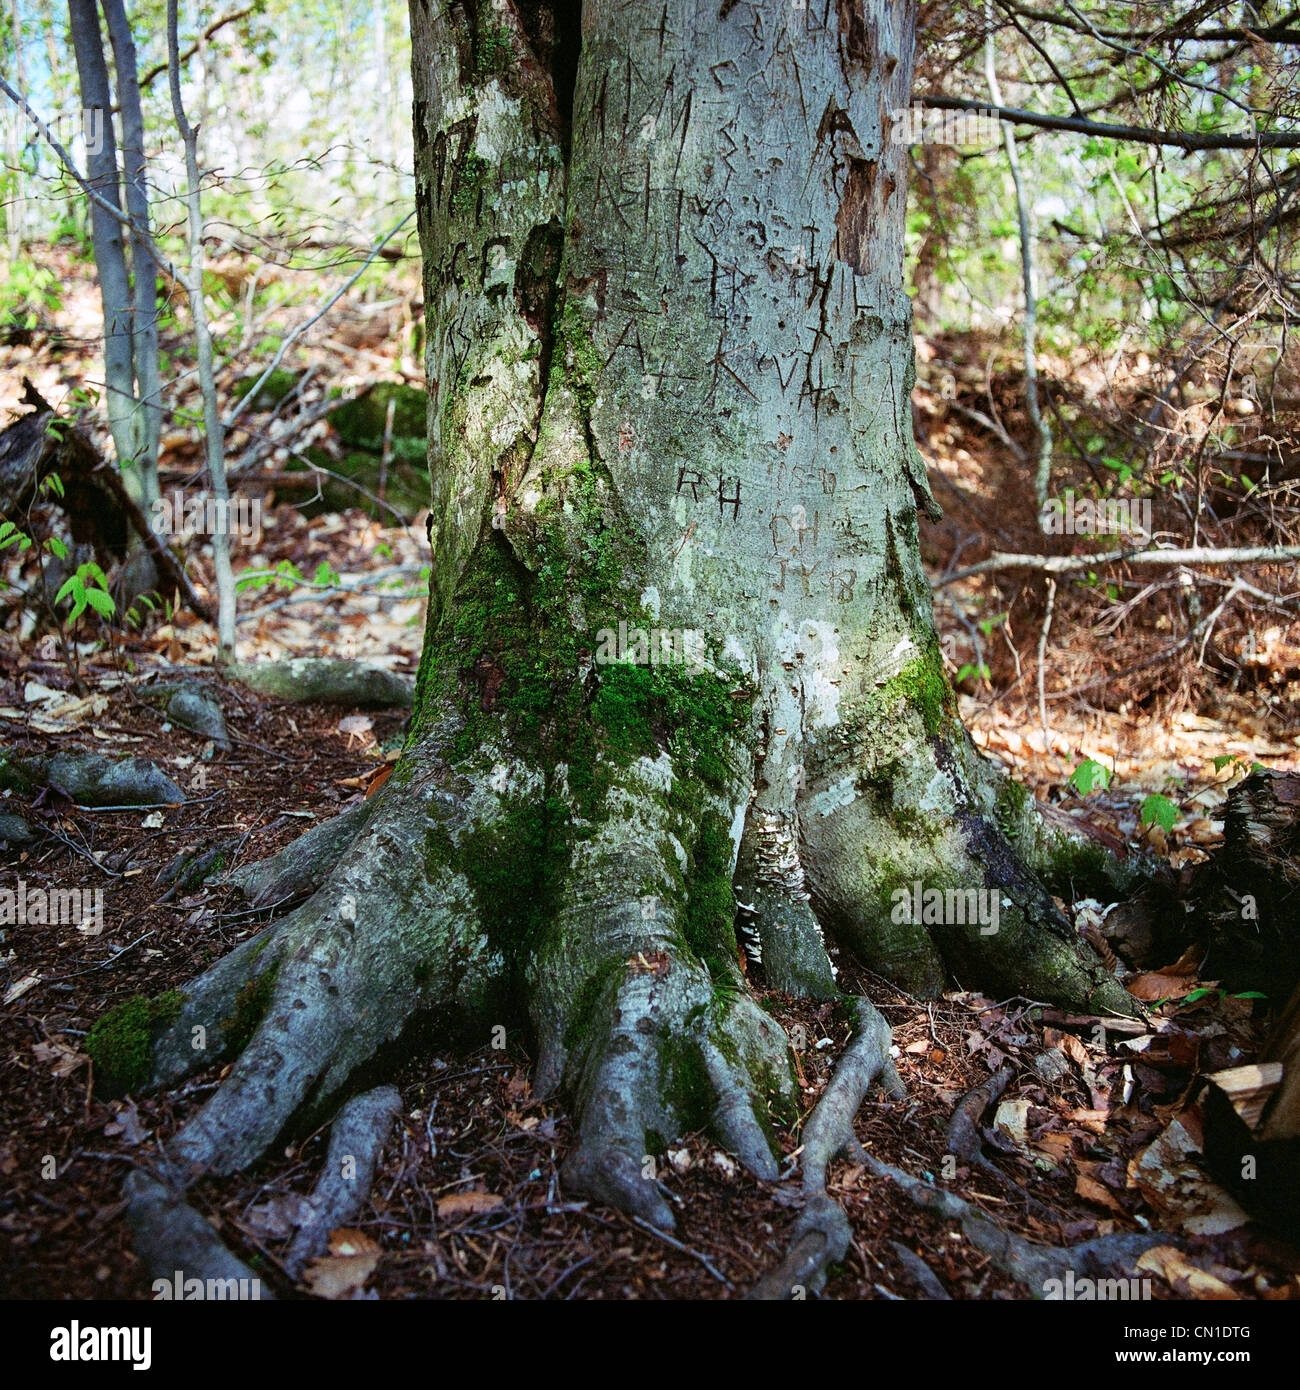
point(1184, 1277)
point(1165, 1175)
point(19, 988)
point(468, 1203)
point(62, 1059)
point(339, 1276)
point(1012, 1119)
point(1054, 1148)
point(1074, 1050)
point(1093, 1191)
point(1155, 984)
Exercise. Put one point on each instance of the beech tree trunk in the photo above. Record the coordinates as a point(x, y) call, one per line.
point(669, 361)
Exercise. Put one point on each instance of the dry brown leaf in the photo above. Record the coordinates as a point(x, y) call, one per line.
point(1074, 1050)
point(468, 1203)
point(1155, 984)
point(61, 1059)
point(339, 1276)
point(1055, 1148)
point(1093, 1191)
point(1183, 1277)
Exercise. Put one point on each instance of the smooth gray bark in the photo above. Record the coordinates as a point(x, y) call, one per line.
point(103, 176)
point(144, 275)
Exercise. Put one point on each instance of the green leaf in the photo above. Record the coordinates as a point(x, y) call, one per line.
point(101, 602)
point(1159, 809)
point(1089, 774)
point(1197, 994)
point(1223, 760)
point(1250, 994)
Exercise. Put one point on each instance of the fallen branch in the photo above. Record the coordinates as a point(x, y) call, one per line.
point(1073, 564)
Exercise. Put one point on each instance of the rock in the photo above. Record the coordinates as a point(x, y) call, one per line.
point(1052, 1065)
point(196, 708)
point(14, 830)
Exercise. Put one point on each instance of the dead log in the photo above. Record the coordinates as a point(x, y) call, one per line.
point(100, 511)
point(37, 445)
point(1250, 891)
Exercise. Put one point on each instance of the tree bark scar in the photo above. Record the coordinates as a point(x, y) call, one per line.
point(854, 221)
point(857, 43)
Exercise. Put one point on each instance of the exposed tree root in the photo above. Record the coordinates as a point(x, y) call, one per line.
point(1025, 1261)
point(90, 779)
point(459, 887)
point(922, 1275)
point(326, 681)
point(305, 863)
point(647, 1038)
point(822, 1233)
point(173, 1238)
point(963, 1134)
point(357, 1138)
point(965, 1140)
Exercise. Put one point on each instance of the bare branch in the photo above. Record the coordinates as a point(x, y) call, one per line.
point(1141, 135)
point(1075, 564)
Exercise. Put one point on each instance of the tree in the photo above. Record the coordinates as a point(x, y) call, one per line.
point(680, 665)
point(131, 381)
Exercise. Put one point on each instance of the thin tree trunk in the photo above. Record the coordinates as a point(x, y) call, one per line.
point(144, 274)
point(213, 432)
point(107, 232)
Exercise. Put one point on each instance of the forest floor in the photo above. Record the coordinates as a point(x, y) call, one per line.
point(1093, 1135)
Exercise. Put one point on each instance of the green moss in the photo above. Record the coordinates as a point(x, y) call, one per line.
point(922, 685)
point(1009, 810)
point(363, 422)
point(276, 387)
point(121, 1043)
point(711, 906)
point(471, 177)
point(596, 991)
point(515, 866)
point(576, 355)
point(493, 51)
point(251, 1004)
point(1077, 869)
point(686, 1084)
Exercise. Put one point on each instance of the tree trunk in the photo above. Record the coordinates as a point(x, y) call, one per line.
point(669, 368)
point(110, 256)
